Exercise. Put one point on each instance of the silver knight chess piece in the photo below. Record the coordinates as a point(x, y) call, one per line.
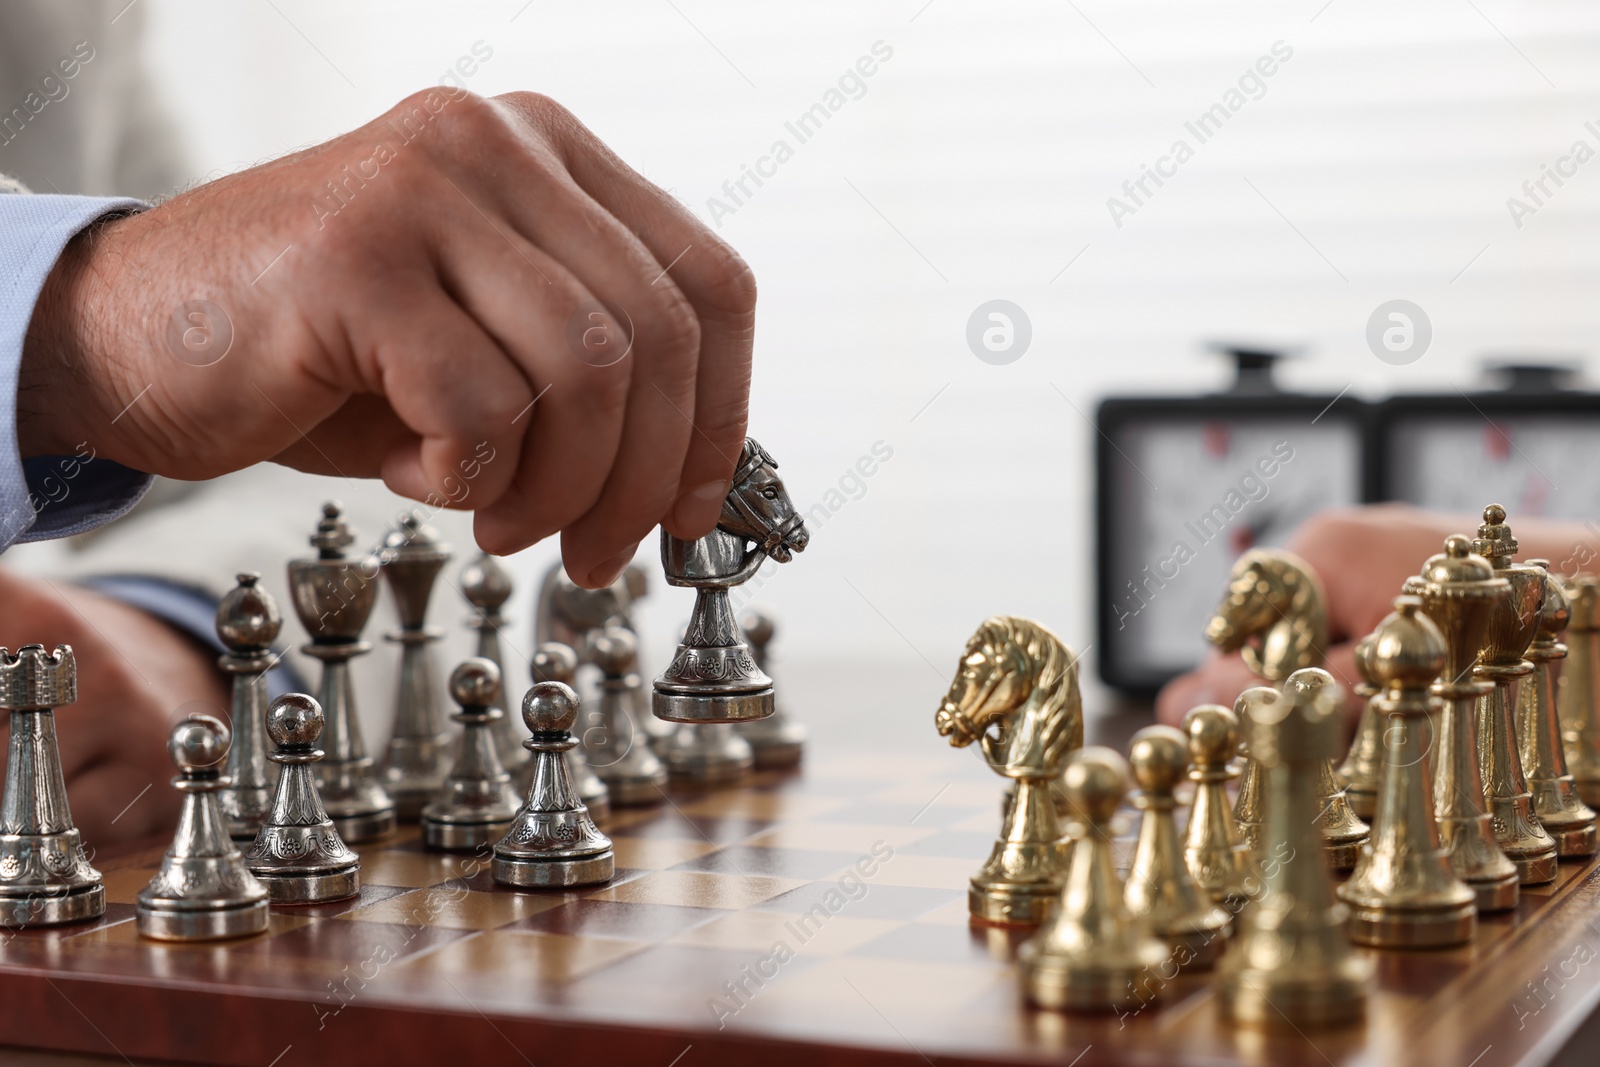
point(298, 854)
point(418, 754)
point(477, 801)
point(487, 587)
point(553, 842)
point(334, 596)
point(248, 622)
point(555, 662)
point(714, 678)
point(202, 891)
point(777, 741)
point(45, 877)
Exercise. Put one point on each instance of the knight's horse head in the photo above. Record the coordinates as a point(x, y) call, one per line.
point(758, 507)
point(1016, 675)
point(1273, 613)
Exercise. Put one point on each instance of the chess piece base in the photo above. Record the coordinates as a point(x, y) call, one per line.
point(1576, 844)
point(316, 888)
point(554, 873)
point(1588, 790)
point(1200, 948)
point(637, 792)
point(712, 707)
point(1270, 1001)
point(408, 803)
point(1536, 869)
point(699, 770)
point(1012, 905)
point(195, 924)
point(776, 755)
point(1342, 855)
point(354, 829)
point(1412, 928)
point(1498, 895)
point(599, 808)
point(462, 836)
point(37, 907)
point(1081, 985)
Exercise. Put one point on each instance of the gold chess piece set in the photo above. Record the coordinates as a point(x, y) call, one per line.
point(1471, 775)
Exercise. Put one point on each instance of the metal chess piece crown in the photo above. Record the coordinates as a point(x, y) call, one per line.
point(555, 662)
point(1019, 678)
point(1556, 803)
point(1211, 849)
point(334, 596)
point(1513, 622)
point(298, 854)
point(45, 877)
point(1404, 893)
point(617, 750)
point(776, 741)
point(417, 757)
point(1093, 954)
point(713, 678)
point(1160, 889)
point(553, 841)
point(487, 586)
point(477, 802)
point(1459, 590)
point(1578, 697)
point(202, 891)
point(248, 622)
point(1290, 961)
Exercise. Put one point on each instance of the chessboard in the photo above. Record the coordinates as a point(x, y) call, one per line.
point(816, 916)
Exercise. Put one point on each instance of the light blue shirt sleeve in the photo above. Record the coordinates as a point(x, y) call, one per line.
point(48, 496)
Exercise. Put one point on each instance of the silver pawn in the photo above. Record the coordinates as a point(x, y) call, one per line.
point(248, 622)
point(298, 854)
point(202, 891)
point(555, 662)
point(477, 802)
point(615, 747)
point(487, 587)
point(777, 740)
point(417, 757)
point(553, 841)
point(45, 877)
point(334, 597)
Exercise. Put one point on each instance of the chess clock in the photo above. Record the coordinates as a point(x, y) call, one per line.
point(1532, 445)
point(1184, 484)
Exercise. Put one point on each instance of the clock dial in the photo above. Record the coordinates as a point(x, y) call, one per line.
point(1188, 496)
point(1542, 465)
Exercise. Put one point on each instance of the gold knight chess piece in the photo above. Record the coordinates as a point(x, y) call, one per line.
point(1578, 695)
point(1019, 678)
point(1563, 814)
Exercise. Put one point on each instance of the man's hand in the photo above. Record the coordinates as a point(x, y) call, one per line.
point(432, 299)
point(1363, 555)
point(136, 678)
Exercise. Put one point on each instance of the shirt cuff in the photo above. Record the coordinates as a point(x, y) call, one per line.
point(48, 496)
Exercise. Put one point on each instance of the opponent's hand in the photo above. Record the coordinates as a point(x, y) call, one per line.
point(136, 678)
point(428, 299)
point(1362, 556)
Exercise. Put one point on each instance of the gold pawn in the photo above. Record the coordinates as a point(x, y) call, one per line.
point(1403, 893)
point(1160, 889)
point(1512, 625)
point(1459, 590)
point(1364, 763)
point(1292, 963)
point(1093, 954)
point(1249, 810)
point(1555, 799)
point(1578, 697)
point(1211, 846)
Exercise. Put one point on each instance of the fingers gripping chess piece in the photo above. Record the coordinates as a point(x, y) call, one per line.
point(1160, 889)
point(487, 586)
point(1290, 961)
point(1459, 590)
point(1403, 893)
point(1216, 859)
point(45, 877)
point(776, 741)
point(1560, 811)
point(477, 801)
point(334, 597)
point(1513, 623)
point(1093, 954)
point(1021, 680)
point(1578, 697)
point(553, 842)
point(713, 678)
point(618, 751)
point(248, 622)
point(202, 891)
point(418, 754)
point(555, 662)
point(298, 854)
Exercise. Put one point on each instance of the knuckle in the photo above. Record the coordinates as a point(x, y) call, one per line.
point(730, 284)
